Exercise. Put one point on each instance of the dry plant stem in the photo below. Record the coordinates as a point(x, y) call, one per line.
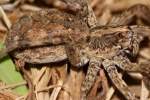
point(94, 2)
point(122, 5)
point(5, 18)
point(56, 91)
point(28, 7)
point(145, 53)
point(43, 82)
point(105, 17)
point(136, 75)
point(3, 28)
point(13, 85)
point(57, 3)
point(7, 95)
point(40, 74)
point(144, 91)
point(72, 85)
point(29, 81)
point(48, 88)
point(21, 64)
point(21, 98)
point(110, 93)
point(11, 7)
point(102, 81)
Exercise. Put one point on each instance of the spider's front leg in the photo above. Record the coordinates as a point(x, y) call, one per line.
point(126, 65)
point(94, 67)
point(139, 11)
point(111, 69)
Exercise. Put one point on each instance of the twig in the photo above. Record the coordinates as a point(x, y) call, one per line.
point(56, 91)
point(13, 85)
point(22, 97)
point(5, 18)
point(39, 75)
point(144, 92)
point(110, 93)
point(136, 75)
point(48, 88)
point(10, 7)
point(30, 7)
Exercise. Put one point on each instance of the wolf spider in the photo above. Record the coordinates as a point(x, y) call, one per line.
point(107, 47)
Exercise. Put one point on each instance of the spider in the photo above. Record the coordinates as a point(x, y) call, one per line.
point(105, 47)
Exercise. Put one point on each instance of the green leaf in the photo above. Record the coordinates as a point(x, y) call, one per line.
point(9, 75)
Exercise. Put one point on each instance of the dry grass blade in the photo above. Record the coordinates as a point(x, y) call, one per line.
point(56, 91)
point(144, 92)
point(30, 7)
point(5, 18)
point(45, 76)
point(21, 97)
point(2, 28)
point(13, 85)
point(145, 53)
point(7, 95)
point(37, 78)
point(110, 93)
point(47, 88)
point(136, 75)
point(11, 7)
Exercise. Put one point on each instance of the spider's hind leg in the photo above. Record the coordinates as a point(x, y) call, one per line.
point(111, 69)
point(94, 67)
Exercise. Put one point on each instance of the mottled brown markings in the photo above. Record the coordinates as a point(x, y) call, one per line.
point(102, 43)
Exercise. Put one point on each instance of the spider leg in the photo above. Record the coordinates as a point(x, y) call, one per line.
point(74, 55)
point(94, 67)
point(109, 66)
point(142, 31)
point(126, 65)
point(139, 11)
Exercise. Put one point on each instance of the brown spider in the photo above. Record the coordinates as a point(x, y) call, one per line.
point(105, 47)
